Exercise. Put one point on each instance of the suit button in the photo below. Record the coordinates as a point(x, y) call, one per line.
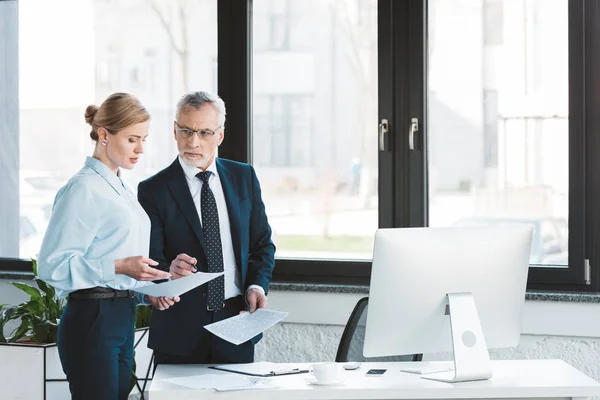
point(204, 294)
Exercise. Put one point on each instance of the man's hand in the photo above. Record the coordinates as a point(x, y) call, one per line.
point(256, 299)
point(162, 303)
point(183, 265)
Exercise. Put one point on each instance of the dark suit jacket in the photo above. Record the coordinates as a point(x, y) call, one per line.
point(176, 229)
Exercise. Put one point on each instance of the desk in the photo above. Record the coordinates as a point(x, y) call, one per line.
point(531, 379)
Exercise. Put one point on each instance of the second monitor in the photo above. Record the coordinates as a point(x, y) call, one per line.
point(441, 289)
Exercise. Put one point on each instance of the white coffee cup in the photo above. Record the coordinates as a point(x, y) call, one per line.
point(326, 371)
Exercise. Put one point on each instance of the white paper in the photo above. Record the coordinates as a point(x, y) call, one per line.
point(254, 383)
point(223, 382)
point(244, 327)
point(177, 287)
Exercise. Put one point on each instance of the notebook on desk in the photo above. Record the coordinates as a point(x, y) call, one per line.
point(262, 368)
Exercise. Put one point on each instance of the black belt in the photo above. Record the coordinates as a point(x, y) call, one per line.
point(101, 293)
point(231, 302)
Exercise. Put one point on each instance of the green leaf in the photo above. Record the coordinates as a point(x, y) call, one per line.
point(34, 266)
point(21, 331)
point(4, 318)
point(43, 286)
point(34, 307)
point(8, 313)
point(30, 290)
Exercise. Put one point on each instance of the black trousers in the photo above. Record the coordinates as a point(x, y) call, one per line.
point(95, 345)
point(215, 350)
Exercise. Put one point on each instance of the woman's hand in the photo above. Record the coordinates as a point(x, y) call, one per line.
point(138, 268)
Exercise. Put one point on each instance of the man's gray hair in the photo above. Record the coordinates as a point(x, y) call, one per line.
point(195, 100)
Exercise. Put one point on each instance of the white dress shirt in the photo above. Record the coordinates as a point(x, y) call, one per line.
point(233, 286)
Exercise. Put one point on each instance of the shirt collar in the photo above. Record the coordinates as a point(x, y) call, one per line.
point(105, 172)
point(191, 172)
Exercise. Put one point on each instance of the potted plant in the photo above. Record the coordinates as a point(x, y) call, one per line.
point(38, 316)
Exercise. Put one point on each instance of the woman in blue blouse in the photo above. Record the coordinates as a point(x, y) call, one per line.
point(95, 251)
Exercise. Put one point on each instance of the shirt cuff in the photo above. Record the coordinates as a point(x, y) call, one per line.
point(108, 270)
point(142, 299)
point(259, 288)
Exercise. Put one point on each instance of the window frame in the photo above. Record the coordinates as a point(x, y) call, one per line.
point(402, 88)
point(402, 29)
point(573, 277)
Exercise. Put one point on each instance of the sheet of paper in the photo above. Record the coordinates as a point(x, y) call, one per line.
point(177, 287)
point(254, 384)
point(223, 382)
point(244, 327)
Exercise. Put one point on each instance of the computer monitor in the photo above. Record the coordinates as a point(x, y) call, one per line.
point(458, 289)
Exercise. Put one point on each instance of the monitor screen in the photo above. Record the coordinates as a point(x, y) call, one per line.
point(415, 268)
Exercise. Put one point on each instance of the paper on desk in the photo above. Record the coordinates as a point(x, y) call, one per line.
point(223, 382)
point(244, 327)
point(177, 287)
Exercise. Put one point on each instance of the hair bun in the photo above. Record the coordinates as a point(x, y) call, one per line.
point(90, 113)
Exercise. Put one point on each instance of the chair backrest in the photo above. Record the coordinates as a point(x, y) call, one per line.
point(353, 338)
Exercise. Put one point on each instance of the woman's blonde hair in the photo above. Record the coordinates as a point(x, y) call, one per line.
point(116, 113)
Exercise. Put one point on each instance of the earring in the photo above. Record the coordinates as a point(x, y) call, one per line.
point(104, 143)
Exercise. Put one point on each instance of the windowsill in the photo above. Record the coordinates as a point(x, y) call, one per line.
point(534, 296)
point(544, 314)
point(364, 290)
point(16, 275)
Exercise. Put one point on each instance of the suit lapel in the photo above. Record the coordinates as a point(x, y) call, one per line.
point(181, 192)
point(232, 198)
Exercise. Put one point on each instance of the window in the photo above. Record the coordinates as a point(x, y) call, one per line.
point(505, 108)
point(284, 134)
point(147, 48)
point(499, 119)
point(314, 126)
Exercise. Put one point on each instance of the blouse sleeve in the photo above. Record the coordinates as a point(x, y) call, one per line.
point(74, 224)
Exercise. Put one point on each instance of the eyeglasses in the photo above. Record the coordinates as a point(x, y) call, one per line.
point(202, 133)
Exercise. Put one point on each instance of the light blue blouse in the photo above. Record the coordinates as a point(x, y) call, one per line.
point(96, 219)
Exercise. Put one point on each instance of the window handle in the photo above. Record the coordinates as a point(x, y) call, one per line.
point(383, 129)
point(414, 127)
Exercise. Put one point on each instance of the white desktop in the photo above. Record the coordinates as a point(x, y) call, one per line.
point(459, 289)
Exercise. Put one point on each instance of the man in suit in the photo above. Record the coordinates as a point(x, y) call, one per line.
point(207, 214)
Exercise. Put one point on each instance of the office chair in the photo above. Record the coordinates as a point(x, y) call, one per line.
point(351, 343)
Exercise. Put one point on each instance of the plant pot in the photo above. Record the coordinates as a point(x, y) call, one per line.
point(33, 371)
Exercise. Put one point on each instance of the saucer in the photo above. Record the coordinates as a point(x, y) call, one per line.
point(313, 381)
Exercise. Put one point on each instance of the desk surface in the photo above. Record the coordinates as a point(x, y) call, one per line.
point(512, 379)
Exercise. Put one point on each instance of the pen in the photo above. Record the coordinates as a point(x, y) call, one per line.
point(285, 371)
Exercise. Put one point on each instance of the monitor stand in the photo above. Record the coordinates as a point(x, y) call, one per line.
point(471, 357)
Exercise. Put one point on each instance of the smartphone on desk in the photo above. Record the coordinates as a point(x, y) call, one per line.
point(375, 372)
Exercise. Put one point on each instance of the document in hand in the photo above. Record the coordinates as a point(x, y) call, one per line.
point(244, 327)
point(172, 288)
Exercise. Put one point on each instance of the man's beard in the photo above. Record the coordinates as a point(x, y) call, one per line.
point(202, 162)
